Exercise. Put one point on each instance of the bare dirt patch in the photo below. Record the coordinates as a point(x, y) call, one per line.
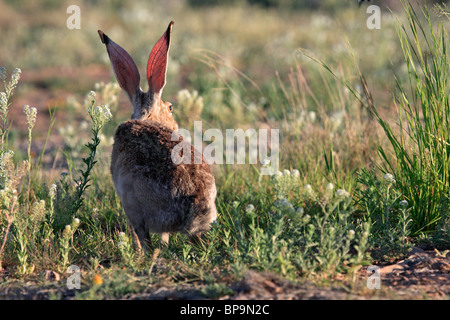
point(423, 274)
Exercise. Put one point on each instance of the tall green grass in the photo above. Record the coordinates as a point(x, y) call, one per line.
point(417, 152)
point(421, 137)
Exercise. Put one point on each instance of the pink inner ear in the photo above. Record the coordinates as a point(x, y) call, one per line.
point(157, 63)
point(125, 69)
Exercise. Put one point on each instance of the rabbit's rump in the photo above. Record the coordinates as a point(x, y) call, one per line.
point(157, 194)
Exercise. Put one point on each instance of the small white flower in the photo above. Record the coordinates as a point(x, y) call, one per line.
point(342, 193)
point(351, 234)
point(76, 222)
point(250, 208)
point(101, 115)
point(329, 187)
point(67, 230)
point(3, 102)
point(265, 163)
point(84, 125)
point(277, 176)
point(91, 96)
point(52, 191)
point(284, 205)
point(15, 76)
point(31, 114)
point(312, 116)
point(308, 189)
point(286, 173)
point(123, 237)
point(389, 178)
point(183, 95)
point(300, 210)
point(295, 173)
point(306, 218)
point(404, 204)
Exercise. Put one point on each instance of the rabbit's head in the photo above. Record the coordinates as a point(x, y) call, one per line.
point(146, 105)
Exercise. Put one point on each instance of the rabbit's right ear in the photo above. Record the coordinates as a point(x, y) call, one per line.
point(125, 69)
point(157, 63)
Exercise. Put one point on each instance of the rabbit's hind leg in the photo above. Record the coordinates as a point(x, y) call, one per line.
point(141, 239)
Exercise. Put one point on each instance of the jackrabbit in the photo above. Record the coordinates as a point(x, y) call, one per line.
point(158, 195)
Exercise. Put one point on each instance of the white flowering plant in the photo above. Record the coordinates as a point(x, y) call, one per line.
point(66, 242)
point(100, 115)
point(295, 229)
point(285, 181)
point(9, 87)
point(10, 174)
point(189, 106)
point(126, 250)
point(97, 116)
point(419, 140)
point(387, 209)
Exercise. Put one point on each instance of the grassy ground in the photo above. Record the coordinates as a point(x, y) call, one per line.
point(363, 118)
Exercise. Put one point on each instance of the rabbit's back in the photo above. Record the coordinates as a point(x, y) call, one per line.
point(159, 195)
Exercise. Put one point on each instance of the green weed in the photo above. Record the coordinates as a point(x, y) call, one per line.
point(324, 214)
point(420, 139)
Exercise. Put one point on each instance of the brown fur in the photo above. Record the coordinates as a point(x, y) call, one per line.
point(164, 196)
point(157, 194)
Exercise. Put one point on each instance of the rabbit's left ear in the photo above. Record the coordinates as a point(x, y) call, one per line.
point(157, 63)
point(125, 69)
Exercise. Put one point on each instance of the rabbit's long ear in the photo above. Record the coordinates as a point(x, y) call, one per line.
point(125, 69)
point(157, 63)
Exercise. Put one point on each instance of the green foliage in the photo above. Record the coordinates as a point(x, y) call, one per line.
point(417, 153)
point(295, 223)
point(389, 215)
point(421, 143)
point(34, 226)
point(319, 237)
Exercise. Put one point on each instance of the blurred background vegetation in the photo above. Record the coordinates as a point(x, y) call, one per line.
point(233, 64)
point(240, 58)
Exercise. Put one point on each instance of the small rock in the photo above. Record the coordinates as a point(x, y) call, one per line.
point(392, 268)
point(441, 266)
point(52, 275)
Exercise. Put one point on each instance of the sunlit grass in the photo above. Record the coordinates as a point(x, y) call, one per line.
point(421, 146)
point(321, 215)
